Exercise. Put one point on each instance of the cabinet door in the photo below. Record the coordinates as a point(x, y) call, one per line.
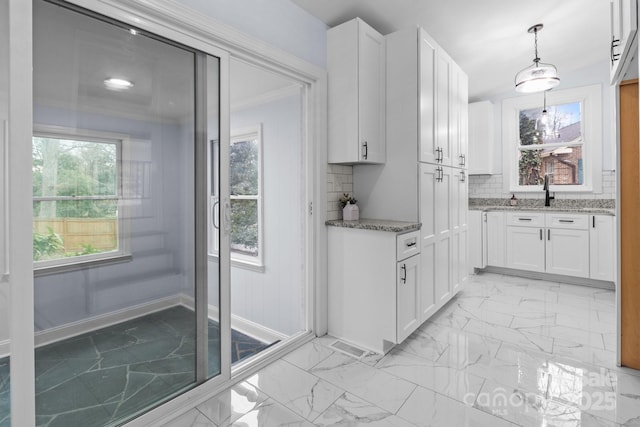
point(356, 94)
point(495, 239)
point(480, 142)
point(443, 94)
point(567, 252)
point(371, 95)
point(602, 247)
point(444, 233)
point(460, 270)
point(458, 117)
point(624, 24)
point(476, 249)
point(525, 248)
point(429, 179)
point(463, 111)
point(427, 74)
point(407, 297)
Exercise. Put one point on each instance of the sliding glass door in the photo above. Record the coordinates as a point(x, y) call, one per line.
point(5, 306)
point(121, 124)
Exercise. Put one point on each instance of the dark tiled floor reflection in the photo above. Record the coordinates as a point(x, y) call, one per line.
point(4, 393)
point(103, 376)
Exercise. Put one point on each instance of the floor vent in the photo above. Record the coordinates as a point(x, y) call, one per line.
point(348, 349)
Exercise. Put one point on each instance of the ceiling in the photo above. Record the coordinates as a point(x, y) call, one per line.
point(488, 38)
point(73, 54)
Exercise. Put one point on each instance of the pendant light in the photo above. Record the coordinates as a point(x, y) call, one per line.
point(538, 76)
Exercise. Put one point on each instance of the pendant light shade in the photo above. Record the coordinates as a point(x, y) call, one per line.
point(538, 76)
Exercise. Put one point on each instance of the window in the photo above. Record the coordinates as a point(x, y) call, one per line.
point(564, 144)
point(76, 194)
point(245, 185)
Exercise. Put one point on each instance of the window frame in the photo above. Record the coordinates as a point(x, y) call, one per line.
point(122, 253)
point(590, 98)
point(255, 263)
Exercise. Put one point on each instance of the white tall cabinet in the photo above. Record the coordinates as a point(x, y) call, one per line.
point(427, 98)
point(424, 177)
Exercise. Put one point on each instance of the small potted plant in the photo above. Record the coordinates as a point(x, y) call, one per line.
point(350, 211)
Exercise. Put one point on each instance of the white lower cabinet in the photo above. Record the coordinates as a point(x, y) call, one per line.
point(374, 286)
point(567, 252)
point(602, 248)
point(525, 248)
point(495, 239)
point(568, 244)
point(407, 301)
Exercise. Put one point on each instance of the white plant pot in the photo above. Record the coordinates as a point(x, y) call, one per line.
point(350, 212)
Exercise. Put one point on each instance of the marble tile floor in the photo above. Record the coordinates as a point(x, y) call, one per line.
point(505, 352)
point(98, 378)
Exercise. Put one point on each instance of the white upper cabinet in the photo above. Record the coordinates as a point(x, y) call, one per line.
point(481, 138)
point(427, 101)
point(624, 27)
point(356, 92)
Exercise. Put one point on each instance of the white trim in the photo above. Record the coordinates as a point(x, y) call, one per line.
point(20, 213)
point(591, 99)
point(240, 324)
point(249, 328)
point(266, 98)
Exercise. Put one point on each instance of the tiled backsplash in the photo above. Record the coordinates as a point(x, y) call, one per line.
point(490, 187)
point(339, 181)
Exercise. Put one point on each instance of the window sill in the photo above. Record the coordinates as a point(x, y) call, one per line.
point(80, 265)
point(245, 265)
point(552, 189)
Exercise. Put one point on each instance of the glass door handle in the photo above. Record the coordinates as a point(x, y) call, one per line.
point(215, 211)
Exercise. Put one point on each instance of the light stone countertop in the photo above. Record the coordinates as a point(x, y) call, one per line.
point(598, 211)
point(376, 225)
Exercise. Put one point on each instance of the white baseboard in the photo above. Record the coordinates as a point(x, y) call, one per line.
point(80, 327)
point(240, 324)
point(99, 322)
point(247, 327)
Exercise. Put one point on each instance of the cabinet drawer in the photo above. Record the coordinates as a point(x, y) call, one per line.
point(407, 245)
point(525, 219)
point(571, 221)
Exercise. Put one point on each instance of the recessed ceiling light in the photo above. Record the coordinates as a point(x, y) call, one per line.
point(133, 32)
point(117, 84)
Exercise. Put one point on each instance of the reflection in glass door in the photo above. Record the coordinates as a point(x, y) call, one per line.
point(268, 210)
point(118, 129)
point(4, 238)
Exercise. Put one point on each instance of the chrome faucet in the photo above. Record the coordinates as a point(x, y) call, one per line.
point(547, 198)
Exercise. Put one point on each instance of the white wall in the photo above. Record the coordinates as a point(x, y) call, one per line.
point(274, 298)
point(483, 186)
point(280, 23)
